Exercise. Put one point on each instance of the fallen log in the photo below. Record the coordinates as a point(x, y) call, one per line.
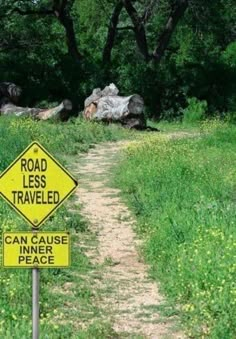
point(60, 112)
point(9, 97)
point(107, 106)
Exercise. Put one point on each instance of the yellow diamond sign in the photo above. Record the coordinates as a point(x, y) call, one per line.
point(35, 184)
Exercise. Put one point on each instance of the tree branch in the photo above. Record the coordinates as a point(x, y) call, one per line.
point(125, 28)
point(149, 10)
point(6, 46)
point(175, 16)
point(139, 29)
point(62, 12)
point(112, 29)
point(32, 12)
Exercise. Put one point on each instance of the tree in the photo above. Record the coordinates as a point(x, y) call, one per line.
point(177, 10)
point(61, 9)
point(165, 50)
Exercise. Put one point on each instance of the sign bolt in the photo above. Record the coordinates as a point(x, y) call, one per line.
point(35, 150)
point(35, 221)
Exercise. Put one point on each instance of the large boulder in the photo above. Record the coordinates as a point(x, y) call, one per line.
point(106, 105)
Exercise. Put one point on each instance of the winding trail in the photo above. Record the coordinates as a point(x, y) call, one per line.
point(130, 300)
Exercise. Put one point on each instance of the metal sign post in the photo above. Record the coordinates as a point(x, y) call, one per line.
point(35, 300)
point(35, 303)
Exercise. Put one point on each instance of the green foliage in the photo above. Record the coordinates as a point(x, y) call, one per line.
point(195, 111)
point(182, 192)
point(229, 55)
point(232, 117)
point(60, 138)
point(199, 61)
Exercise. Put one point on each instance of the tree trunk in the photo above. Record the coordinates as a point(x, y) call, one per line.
point(67, 22)
point(62, 10)
point(108, 106)
point(112, 33)
point(175, 16)
point(60, 112)
point(139, 29)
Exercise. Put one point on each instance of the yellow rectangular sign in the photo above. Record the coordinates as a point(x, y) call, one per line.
point(36, 249)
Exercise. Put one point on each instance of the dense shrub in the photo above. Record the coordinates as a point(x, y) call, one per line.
point(195, 111)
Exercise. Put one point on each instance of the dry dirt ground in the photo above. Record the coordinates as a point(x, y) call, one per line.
point(130, 300)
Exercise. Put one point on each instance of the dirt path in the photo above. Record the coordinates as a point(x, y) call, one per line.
point(130, 301)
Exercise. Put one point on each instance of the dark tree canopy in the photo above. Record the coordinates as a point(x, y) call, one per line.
point(167, 51)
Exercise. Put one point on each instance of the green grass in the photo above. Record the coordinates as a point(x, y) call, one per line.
point(182, 192)
point(62, 312)
point(59, 138)
point(177, 126)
